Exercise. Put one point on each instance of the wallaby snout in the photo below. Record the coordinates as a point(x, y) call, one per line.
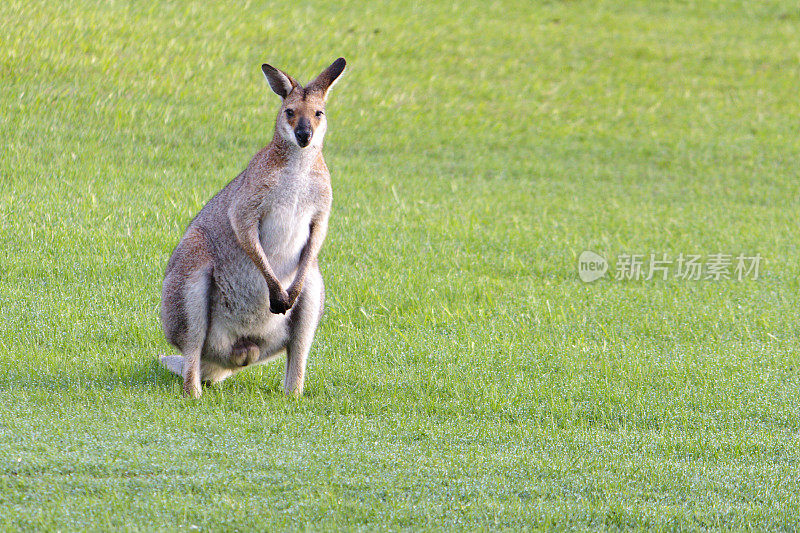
point(303, 132)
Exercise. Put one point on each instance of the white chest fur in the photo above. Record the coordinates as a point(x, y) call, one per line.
point(285, 223)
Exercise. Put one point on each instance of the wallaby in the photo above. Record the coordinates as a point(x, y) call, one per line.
point(224, 305)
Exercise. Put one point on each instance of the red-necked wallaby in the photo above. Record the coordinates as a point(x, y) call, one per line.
point(224, 305)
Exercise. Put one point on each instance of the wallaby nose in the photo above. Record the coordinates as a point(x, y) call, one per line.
point(303, 132)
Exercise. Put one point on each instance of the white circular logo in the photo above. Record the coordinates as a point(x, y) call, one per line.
point(591, 266)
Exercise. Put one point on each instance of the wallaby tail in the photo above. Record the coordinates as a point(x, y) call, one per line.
point(210, 372)
point(173, 363)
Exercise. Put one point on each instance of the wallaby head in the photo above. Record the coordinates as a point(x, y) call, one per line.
point(301, 119)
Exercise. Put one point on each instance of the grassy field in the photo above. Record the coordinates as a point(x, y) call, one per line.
point(463, 377)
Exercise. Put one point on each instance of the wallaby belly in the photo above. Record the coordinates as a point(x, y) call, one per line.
point(240, 298)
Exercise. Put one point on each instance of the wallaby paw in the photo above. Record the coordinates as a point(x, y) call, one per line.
point(278, 308)
point(279, 303)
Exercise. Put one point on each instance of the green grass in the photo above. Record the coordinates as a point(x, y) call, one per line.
point(463, 377)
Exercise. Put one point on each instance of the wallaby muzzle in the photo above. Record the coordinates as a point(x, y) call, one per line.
point(303, 132)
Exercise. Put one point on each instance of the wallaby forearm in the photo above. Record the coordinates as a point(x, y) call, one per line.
point(316, 236)
point(297, 285)
point(255, 252)
point(246, 233)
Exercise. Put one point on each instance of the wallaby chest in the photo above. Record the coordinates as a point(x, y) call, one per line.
point(285, 221)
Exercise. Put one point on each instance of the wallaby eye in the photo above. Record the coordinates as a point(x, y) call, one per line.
point(319, 114)
point(290, 113)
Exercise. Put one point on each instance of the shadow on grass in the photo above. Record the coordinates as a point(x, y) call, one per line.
point(148, 376)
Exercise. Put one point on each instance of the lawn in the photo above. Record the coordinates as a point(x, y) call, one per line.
point(463, 377)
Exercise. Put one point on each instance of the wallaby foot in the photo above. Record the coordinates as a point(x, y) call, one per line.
point(174, 363)
point(245, 353)
point(192, 390)
point(192, 387)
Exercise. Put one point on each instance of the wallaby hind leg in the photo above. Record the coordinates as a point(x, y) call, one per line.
point(304, 321)
point(185, 305)
point(196, 308)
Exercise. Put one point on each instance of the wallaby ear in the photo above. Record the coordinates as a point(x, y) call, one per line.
point(281, 83)
point(328, 77)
